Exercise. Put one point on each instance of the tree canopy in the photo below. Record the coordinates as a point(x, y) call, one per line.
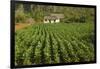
point(37, 13)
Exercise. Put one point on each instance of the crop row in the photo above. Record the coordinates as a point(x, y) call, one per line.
point(53, 43)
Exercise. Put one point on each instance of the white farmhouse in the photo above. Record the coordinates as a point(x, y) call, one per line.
point(53, 18)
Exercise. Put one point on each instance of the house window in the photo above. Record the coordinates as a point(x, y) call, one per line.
point(45, 19)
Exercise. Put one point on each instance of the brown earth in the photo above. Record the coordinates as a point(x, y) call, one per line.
point(19, 26)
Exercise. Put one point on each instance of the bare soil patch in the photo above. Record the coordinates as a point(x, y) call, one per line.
point(19, 26)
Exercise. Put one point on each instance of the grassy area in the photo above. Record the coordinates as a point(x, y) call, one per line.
point(54, 43)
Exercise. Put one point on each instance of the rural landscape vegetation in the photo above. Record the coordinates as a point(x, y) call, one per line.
point(66, 40)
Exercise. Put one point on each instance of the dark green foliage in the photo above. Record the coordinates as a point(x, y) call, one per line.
point(37, 12)
point(82, 19)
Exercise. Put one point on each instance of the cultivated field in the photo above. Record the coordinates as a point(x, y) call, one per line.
point(54, 43)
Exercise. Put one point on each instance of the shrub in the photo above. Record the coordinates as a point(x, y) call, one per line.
point(20, 16)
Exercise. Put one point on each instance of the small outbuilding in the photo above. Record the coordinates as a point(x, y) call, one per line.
point(53, 18)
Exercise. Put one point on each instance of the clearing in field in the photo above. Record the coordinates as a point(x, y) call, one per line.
point(54, 43)
point(19, 26)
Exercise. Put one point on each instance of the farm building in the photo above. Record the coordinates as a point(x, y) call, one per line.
point(53, 18)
